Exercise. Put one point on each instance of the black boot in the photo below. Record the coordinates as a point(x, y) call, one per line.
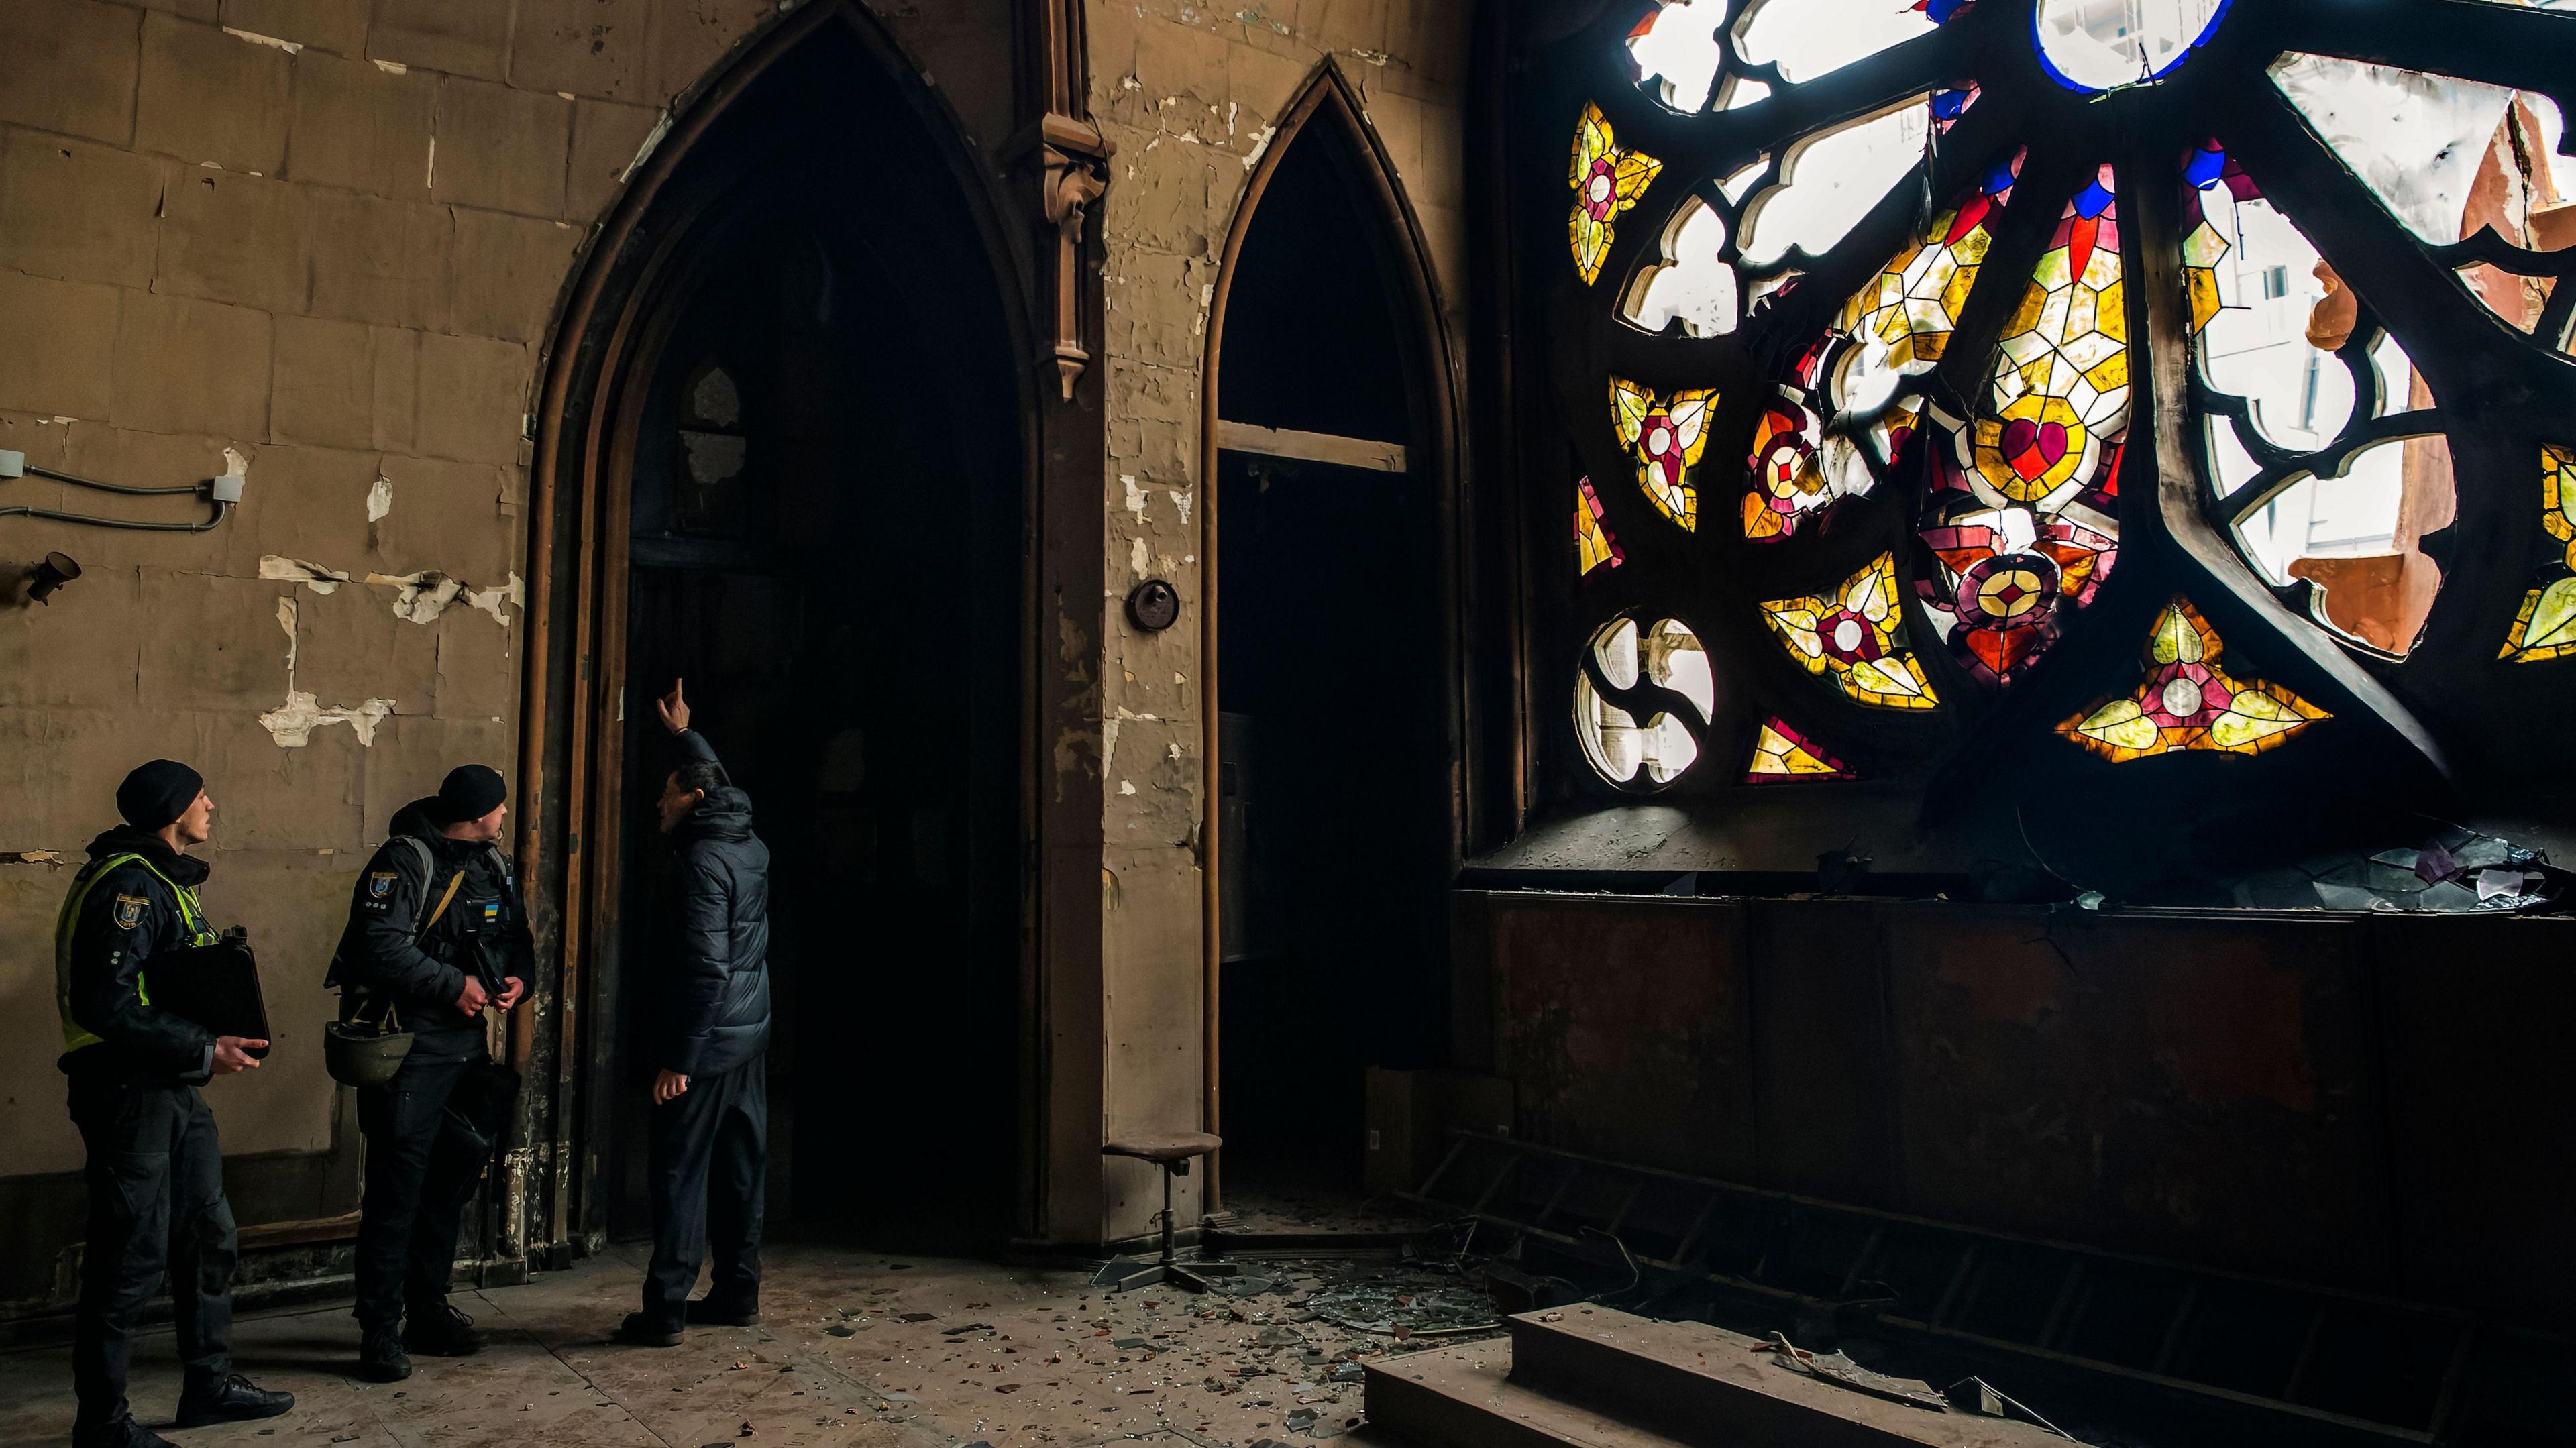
point(441, 1331)
point(715, 1312)
point(237, 1401)
point(643, 1331)
point(381, 1358)
point(123, 1433)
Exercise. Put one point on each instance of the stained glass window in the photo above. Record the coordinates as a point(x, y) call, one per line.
point(1667, 434)
point(1855, 637)
point(2186, 702)
point(2546, 626)
point(1593, 544)
point(1607, 179)
point(1992, 330)
point(1782, 755)
point(1631, 696)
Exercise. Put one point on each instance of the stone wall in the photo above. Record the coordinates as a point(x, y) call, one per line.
point(1190, 95)
point(321, 243)
point(318, 242)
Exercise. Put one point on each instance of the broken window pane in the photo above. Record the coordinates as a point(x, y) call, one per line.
point(1690, 284)
point(1807, 38)
point(2415, 140)
point(2022, 520)
point(2255, 286)
point(1669, 748)
point(1738, 185)
point(1614, 648)
point(714, 457)
point(2401, 389)
point(2231, 467)
point(1676, 48)
point(712, 400)
point(1675, 660)
point(2518, 194)
point(1900, 324)
point(1740, 91)
point(1610, 735)
point(713, 448)
point(2355, 538)
point(1830, 181)
point(2099, 45)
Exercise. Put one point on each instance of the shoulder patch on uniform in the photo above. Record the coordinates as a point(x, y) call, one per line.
point(129, 911)
point(380, 883)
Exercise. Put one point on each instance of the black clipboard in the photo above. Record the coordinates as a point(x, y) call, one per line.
point(216, 986)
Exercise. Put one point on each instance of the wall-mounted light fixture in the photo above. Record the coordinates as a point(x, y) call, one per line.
point(56, 570)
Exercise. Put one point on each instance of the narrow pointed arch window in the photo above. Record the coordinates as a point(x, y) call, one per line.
point(1951, 350)
point(715, 447)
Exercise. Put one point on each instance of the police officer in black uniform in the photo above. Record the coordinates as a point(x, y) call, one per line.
point(155, 1173)
point(436, 934)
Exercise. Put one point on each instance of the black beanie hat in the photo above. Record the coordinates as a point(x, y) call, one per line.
point(157, 793)
point(470, 792)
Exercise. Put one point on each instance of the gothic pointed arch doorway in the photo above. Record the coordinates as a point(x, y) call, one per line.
point(1329, 650)
point(784, 454)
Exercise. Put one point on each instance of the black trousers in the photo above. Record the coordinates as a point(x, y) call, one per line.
point(156, 1198)
point(421, 1170)
point(710, 1171)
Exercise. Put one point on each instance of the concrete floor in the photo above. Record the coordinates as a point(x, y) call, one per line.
point(992, 1354)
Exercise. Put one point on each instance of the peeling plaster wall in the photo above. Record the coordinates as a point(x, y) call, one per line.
point(321, 243)
point(326, 241)
point(1191, 94)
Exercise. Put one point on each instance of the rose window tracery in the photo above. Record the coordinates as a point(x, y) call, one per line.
point(1948, 348)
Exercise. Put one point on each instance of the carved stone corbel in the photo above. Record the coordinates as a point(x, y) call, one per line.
point(1073, 172)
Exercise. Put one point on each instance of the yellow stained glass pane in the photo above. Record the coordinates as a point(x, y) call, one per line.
point(2187, 702)
point(1782, 754)
point(1593, 544)
point(1856, 639)
point(2058, 397)
point(1667, 437)
point(1607, 179)
point(2545, 628)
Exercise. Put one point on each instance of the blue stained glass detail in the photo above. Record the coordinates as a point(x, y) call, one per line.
point(2096, 83)
point(2093, 200)
point(2204, 166)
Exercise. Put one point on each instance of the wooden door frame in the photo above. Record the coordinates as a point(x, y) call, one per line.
point(587, 419)
point(1436, 456)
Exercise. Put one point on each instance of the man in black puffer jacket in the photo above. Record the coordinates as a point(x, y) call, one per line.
point(710, 1142)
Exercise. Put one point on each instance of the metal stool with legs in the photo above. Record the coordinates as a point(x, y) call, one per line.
point(1172, 1152)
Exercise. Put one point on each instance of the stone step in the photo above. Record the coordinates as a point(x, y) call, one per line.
point(1706, 1387)
point(1464, 1397)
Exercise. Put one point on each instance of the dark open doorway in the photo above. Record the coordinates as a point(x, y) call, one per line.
point(811, 511)
point(1335, 795)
